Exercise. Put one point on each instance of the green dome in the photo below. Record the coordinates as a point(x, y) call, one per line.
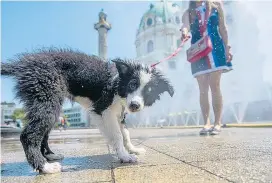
point(160, 11)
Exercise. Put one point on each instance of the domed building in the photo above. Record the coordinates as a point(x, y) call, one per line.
point(158, 33)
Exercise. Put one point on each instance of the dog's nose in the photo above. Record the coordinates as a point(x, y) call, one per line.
point(134, 106)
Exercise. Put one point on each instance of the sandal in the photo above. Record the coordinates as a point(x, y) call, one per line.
point(215, 131)
point(204, 131)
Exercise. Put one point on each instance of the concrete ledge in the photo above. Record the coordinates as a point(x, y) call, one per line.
point(247, 125)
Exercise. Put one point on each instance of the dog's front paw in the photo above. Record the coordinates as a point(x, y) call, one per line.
point(137, 151)
point(129, 158)
point(51, 168)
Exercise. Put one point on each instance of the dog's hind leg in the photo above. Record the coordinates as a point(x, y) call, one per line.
point(46, 151)
point(127, 143)
point(45, 147)
point(42, 89)
point(41, 117)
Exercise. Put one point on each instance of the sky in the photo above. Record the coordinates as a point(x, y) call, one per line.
point(30, 25)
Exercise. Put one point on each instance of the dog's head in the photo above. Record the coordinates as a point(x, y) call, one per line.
point(140, 85)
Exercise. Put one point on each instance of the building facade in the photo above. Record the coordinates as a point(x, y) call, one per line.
point(77, 117)
point(7, 110)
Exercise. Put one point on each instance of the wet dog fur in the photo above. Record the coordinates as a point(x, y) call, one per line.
point(46, 77)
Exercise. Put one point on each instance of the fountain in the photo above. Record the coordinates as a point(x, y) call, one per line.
point(245, 83)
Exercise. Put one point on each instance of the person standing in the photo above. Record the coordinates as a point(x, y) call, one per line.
point(208, 70)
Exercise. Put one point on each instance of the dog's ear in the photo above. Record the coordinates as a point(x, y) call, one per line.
point(121, 66)
point(165, 85)
point(153, 90)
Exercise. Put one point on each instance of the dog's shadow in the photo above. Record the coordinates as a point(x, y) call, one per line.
point(102, 162)
point(69, 164)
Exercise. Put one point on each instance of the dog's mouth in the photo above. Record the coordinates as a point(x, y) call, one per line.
point(134, 110)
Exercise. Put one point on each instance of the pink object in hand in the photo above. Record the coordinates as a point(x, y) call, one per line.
point(200, 49)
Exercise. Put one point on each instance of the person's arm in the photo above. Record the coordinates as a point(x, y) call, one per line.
point(222, 24)
point(185, 28)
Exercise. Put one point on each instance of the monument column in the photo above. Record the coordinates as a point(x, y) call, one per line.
point(102, 27)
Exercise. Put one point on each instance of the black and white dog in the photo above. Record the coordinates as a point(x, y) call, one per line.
point(45, 78)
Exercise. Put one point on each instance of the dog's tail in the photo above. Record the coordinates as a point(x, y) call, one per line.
point(8, 69)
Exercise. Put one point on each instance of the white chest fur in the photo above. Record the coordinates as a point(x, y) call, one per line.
point(116, 107)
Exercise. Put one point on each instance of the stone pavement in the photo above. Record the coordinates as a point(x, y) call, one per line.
point(173, 155)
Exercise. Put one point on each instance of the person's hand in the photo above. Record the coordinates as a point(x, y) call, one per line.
point(228, 54)
point(184, 33)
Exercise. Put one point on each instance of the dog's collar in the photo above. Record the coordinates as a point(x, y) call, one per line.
point(123, 102)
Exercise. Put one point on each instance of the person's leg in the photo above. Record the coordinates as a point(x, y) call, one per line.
point(217, 101)
point(203, 83)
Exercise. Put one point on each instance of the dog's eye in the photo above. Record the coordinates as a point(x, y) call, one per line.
point(132, 84)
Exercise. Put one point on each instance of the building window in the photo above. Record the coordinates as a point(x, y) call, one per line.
point(150, 46)
point(6, 117)
point(149, 22)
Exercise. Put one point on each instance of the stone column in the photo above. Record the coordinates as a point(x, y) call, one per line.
point(102, 27)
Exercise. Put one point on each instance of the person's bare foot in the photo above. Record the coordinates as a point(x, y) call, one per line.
point(207, 126)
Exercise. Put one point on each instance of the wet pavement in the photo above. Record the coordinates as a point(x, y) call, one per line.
point(173, 155)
